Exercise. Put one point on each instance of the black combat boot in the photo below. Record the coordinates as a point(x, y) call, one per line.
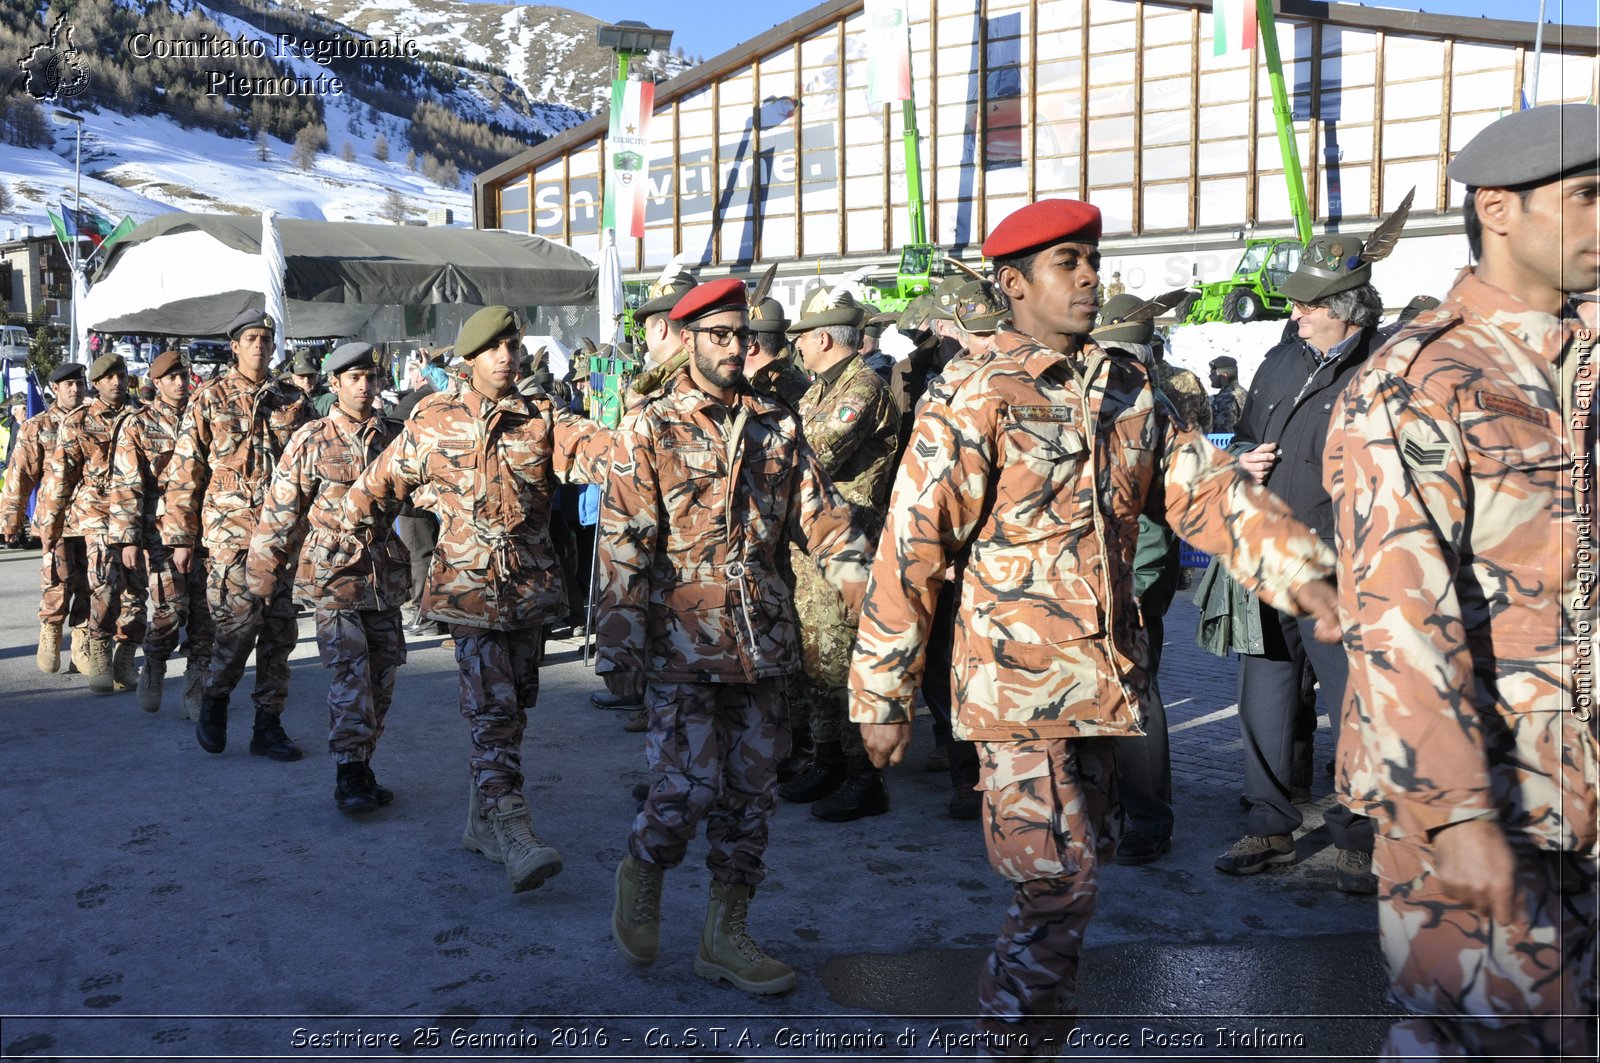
point(820, 779)
point(269, 739)
point(801, 750)
point(861, 794)
point(350, 790)
point(382, 793)
point(211, 731)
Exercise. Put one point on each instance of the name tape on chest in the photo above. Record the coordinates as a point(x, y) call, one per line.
point(1059, 414)
point(1493, 403)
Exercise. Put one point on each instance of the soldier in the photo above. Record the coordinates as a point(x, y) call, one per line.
point(1228, 402)
point(1028, 479)
point(303, 373)
point(710, 479)
point(178, 600)
point(1460, 462)
point(653, 316)
point(231, 437)
point(851, 423)
point(769, 365)
point(485, 458)
point(74, 501)
point(355, 579)
point(63, 571)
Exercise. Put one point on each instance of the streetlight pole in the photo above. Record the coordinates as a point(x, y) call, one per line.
point(77, 204)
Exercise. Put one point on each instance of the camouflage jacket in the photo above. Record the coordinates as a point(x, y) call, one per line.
point(339, 566)
point(36, 441)
point(1465, 579)
point(701, 500)
point(1029, 478)
point(229, 441)
point(1186, 393)
point(74, 497)
point(1226, 406)
point(852, 426)
point(783, 380)
point(487, 469)
point(144, 449)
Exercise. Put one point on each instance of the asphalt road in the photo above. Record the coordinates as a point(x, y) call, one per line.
point(162, 903)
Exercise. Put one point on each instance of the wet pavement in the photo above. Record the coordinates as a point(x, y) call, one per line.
point(163, 903)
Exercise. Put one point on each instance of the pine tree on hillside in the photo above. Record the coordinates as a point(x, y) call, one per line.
point(263, 149)
point(380, 148)
point(348, 152)
point(5, 200)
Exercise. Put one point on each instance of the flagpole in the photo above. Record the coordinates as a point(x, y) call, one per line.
point(1538, 54)
point(77, 205)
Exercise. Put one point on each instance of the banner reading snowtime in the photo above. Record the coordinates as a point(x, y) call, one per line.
point(889, 45)
point(628, 154)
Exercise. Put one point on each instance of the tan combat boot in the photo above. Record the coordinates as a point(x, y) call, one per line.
point(80, 649)
point(529, 861)
point(124, 667)
point(50, 646)
point(194, 685)
point(636, 916)
point(99, 670)
point(479, 835)
point(727, 951)
point(151, 676)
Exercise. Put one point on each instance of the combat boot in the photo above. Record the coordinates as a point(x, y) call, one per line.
point(80, 649)
point(151, 676)
point(194, 685)
point(529, 861)
point(350, 790)
point(269, 740)
point(50, 646)
point(211, 724)
point(636, 916)
point(821, 778)
point(479, 835)
point(99, 670)
point(124, 670)
point(382, 793)
point(727, 951)
point(801, 750)
point(862, 794)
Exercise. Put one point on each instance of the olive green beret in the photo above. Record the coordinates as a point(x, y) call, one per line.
point(105, 365)
point(1531, 147)
point(483, 328)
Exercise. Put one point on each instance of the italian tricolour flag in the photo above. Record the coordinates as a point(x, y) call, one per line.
point(888, 52)
point(1233, 26)
point(628, 155)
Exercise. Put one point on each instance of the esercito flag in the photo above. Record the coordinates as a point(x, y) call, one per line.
point(628, 155)
point(1233, 26)
point(888, 40)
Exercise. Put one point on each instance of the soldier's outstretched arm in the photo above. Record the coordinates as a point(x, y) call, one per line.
point(823, 523)
point(390, 479)
point(281, 525)
point(630, 530)
point(934, 511)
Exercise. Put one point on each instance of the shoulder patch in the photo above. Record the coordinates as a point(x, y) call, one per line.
point(848, 414)
point(926, 450)
point(1424, 458)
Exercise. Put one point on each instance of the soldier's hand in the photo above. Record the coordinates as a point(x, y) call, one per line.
point(130, 557)
point(628, 685)
point(886, 743)
point(182, 558)
point(1320, 601)
point(1258, 462)
point(1477, 868)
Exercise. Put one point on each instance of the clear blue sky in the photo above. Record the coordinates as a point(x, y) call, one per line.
point(708, 27)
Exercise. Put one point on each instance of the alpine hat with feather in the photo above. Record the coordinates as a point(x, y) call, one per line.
point(1126, 318)
point(1335, 262)
point(829, 306)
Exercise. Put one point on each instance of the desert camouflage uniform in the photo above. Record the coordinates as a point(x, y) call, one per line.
point(852, 425)
point(355, 578)
point(74, 502)
point(488, 470)
point(1455, 462)
point(700, 502)
point(231, 437)
point(1028, 476)
point(1226, 406)
point(1186, 393)
point(63, 580)
point(177, 601)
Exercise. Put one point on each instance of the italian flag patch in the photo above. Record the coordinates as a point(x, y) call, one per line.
point(848, 414)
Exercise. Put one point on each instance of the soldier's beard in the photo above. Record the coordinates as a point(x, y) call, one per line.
point(715, 374)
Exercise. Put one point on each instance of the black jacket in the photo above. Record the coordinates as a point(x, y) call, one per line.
point(1291, 399)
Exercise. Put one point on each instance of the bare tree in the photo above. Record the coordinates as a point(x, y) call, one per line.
point(5, 200)
point(380, 148)
point(394, 209)
point(348, 152)
point(263, 149)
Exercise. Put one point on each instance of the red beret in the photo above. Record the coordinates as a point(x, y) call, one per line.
point(1041, 224)
point(710, 298)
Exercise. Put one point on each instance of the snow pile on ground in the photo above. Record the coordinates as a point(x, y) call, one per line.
point(1194, 346)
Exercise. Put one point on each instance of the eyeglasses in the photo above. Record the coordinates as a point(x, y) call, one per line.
point(1306, 309)
point(722, 335)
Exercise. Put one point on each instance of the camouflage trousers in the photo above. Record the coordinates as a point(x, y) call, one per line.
point(117, 595)
point(177, 605)
point(1045, 811)
point(826, 709)
point(499, 683)
point(716, 748)
point(64, 583)
point(1525, 989)
point(242, 625)
point(362, 649)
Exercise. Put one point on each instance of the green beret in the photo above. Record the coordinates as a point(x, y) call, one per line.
point(483, 328)
point(1531, 147)
point(828, 307)
point(351, 356)
point(1114, 326)
point(105, 365)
